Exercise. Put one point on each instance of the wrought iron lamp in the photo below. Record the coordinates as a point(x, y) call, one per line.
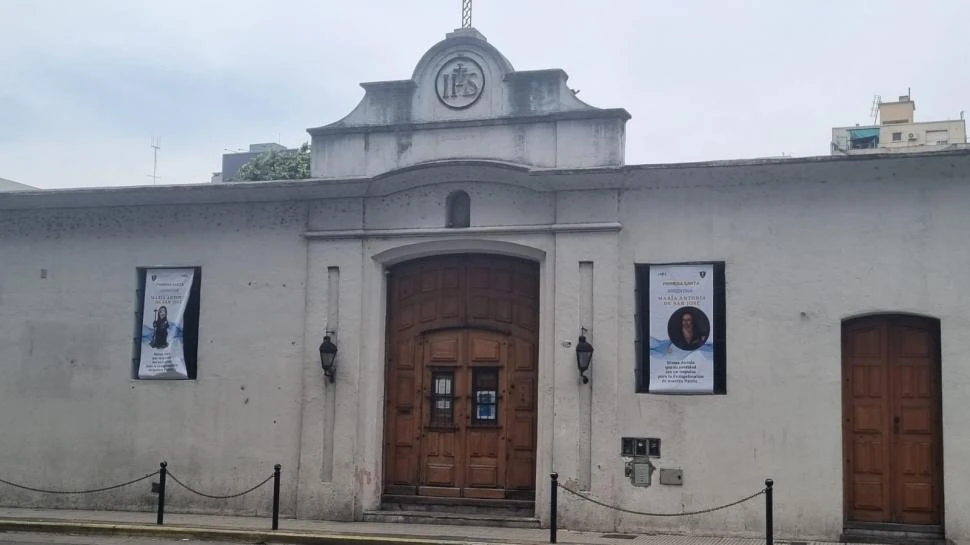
point(584, 356)
point(328, 357)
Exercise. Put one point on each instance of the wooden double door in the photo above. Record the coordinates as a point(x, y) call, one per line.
point(892, 429)
point(462, 378)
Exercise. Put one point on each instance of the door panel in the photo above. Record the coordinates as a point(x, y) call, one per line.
point(521, 416)
point(440, 422)
point(892, 433)
point(867, 428)
point(912, 361)
point(485, 423)
point(404, 409)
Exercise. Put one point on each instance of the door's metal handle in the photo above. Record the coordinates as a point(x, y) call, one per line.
point(895, 424)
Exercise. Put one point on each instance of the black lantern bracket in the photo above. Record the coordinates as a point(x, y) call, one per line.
point(584, 355)
point(328, 356)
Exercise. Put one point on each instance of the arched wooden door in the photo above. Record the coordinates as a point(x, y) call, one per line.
point(462, 377)
point(892, 422)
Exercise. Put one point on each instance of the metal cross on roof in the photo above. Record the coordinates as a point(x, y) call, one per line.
point(466, 13)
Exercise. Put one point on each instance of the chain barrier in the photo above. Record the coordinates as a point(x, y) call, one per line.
point(214, 497)
point(684, 514)
point(159, 488)
point(92, 491)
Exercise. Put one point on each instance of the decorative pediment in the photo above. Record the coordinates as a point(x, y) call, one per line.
point(465, 101)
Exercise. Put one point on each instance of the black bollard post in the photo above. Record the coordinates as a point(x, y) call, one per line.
point(161, 491)
point(553, 506)
point(276, 496)
point(769, 513)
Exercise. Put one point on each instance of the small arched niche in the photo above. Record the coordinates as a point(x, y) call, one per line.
point(458, 209)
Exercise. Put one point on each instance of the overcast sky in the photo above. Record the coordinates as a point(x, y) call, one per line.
point(85, 84)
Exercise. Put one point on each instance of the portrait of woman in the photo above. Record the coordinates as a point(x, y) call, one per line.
point(689, 328)
point(160, 328)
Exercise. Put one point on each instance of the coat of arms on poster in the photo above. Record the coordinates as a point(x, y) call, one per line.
point(681, 310)
point(163, 324)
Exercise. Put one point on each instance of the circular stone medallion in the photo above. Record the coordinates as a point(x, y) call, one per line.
point(459, 83)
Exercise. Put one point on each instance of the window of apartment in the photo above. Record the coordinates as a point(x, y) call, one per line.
point(166, 329)
point(897, 137)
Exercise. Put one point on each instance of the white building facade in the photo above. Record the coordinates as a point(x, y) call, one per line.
point(459, 236)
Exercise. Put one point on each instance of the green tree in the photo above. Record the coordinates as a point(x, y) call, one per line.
point(277, 165)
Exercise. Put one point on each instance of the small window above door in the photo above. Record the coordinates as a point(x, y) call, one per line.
point(458, 209)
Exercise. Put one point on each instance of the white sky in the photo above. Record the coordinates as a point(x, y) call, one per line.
point(85, 84)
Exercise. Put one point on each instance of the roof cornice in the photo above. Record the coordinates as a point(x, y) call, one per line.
point(708, 174)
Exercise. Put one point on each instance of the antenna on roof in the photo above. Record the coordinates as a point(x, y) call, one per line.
point(156, 145)
point(466, 13)
point(874, 111)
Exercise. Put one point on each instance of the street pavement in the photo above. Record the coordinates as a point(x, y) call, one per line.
point(86, 527)
point(21, 538)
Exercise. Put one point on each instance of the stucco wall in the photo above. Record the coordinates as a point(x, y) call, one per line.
point(806, 245)
point(72, 417)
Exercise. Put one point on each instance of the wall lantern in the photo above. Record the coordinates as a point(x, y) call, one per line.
point(584, 356)
point(328, 356)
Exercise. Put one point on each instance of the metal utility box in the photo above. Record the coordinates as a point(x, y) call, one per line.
point(673, 477)
point(640, 471)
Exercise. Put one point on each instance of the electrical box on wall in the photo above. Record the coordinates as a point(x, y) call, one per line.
point(673, 477)
point(640, 446)
point(640, 471)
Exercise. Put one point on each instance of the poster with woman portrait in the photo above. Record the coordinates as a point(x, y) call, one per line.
point(681, 328)
point(162, 328)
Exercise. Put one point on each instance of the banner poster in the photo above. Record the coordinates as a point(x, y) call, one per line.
point(681, 322)
point(166, 296)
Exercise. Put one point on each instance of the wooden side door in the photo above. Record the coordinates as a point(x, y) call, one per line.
point(892, 434)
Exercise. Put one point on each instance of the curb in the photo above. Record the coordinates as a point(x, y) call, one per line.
point(216, 534)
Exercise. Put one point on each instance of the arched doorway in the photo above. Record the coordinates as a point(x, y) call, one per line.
point(892, 421)
point(461, 377)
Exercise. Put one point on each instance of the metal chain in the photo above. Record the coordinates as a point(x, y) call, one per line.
point(684, 514)
point(226, 497)
point(112, 487)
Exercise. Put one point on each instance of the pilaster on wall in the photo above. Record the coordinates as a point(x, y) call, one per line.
point(369, 456)
point(330, 406)
point(584, 421)
point(328, 443)
point(584, 451)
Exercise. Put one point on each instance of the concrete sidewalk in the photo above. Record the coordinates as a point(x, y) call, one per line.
point(257, 530)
